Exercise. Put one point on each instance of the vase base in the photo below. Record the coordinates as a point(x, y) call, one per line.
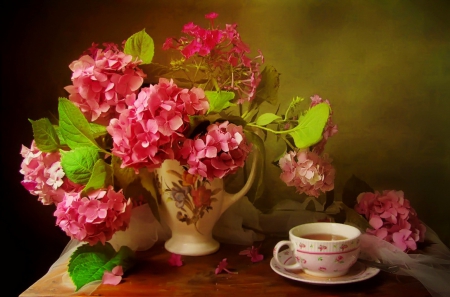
point(191, 248)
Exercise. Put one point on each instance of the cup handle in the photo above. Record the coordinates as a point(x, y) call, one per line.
point(276, 251)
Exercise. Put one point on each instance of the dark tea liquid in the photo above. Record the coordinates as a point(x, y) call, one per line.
point(323, 236)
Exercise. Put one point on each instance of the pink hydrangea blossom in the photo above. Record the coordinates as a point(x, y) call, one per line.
point(93, 218)
point(392, 218)
point(225, 56)
point(114, 277)
point(307, 171)
point(44, 176)
point(102, 80)
point(148, 132)
point(330, 127)
point(222, 150)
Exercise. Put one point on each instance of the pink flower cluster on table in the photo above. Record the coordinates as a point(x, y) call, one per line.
point(152, 127)
point(102, 80)
point(219, 152)
point(228, 53)
point(392, 218)
point(44, 176)
point(94, 218)
point(307, 172)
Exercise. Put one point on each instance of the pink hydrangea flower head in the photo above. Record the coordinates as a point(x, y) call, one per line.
point(307, 172)
point(44, 176)
point(148, 132)
point(102, 79)
point(221, 151)
point(392, 218)
point(94, 218)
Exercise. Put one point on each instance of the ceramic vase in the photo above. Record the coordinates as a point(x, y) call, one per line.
point(191, 206)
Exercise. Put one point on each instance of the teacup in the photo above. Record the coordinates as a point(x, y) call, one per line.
point(321, 249)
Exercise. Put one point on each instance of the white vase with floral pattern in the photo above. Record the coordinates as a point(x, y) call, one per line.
point(191, 206)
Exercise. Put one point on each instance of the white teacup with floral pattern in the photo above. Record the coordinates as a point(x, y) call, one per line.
point(321, 249)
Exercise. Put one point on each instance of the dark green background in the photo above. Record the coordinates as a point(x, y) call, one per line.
point(384, 66)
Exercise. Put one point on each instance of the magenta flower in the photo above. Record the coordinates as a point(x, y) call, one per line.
point(253, 253)
point(223, 267)
point(44, 176)
point(307, 171)
point(224, 55)
point(392, 218)
point(175, 260)
point(93, 218)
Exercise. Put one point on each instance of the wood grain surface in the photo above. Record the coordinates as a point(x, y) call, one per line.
point(153, 276)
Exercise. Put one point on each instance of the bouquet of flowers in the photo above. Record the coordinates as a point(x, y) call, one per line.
point(119, 123)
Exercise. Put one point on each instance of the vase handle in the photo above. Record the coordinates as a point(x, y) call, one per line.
point(229, 199)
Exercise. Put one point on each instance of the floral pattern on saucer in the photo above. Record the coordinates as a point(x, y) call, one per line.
point(358, 272)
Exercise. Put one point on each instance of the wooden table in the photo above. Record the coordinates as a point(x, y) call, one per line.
point(153, 276)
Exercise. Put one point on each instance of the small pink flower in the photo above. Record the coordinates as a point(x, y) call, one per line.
point(223, 267)
point(253, 253)
point(114, 277)
point(175, 260)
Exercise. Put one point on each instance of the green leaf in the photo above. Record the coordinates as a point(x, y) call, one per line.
point(267, 90)
point(78, 164)
point(310, 128)
point(124, 176)
point(219, 101)
point(58, 133)
point(45, 135)
point(140, 45)
point(73, 126)
point(101, 177)
point(97, 130)
point(88, 263)
point(267, 118)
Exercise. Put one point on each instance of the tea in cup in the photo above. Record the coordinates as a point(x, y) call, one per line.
point(321, 249)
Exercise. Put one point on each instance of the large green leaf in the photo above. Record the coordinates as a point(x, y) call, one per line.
point(310, 128)
point(74, 127)
point(89, 263)
point(101, 177)
point(140, 45)
point(78, 164)
point(219, 101)
point(45, 135)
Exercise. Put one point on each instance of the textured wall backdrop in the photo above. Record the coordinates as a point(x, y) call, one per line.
point(384, 66)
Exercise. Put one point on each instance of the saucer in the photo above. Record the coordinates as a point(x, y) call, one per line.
point(358, 272)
